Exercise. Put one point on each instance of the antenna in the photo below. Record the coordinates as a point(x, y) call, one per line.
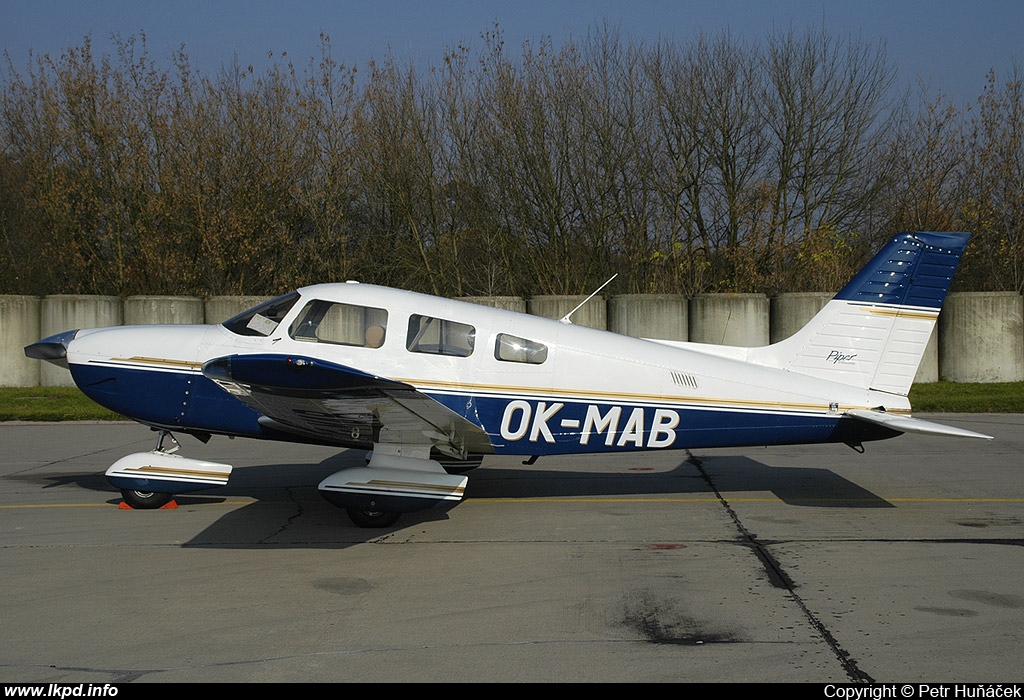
point(565, 319)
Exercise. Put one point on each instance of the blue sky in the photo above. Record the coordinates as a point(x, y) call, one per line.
point(949, 44)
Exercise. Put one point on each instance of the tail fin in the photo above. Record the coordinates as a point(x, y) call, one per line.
point(873, 333)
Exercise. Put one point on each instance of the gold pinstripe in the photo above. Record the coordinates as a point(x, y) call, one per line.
point(172, 471)
point(405, 486)
point(903, 313)
point(161, 361)
point(626, 397)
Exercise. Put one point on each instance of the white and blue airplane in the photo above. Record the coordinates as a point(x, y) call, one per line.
point(428, 386)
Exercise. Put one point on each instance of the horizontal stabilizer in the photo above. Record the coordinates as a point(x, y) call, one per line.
point(163, 472)
point(906, 424)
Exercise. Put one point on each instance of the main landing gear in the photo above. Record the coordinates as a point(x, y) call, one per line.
point(398, 478)
point(372, 518)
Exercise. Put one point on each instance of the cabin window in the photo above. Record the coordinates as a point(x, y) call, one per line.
point(341, 324)
point(509, 348)
point(263, 319)
point(437, 336)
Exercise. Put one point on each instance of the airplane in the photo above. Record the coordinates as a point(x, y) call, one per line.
point(429, 386)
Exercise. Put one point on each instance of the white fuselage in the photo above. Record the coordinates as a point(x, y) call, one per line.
point(592, 391)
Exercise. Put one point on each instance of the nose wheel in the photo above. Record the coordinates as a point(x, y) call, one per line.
point(151, 500)
point(146, 500)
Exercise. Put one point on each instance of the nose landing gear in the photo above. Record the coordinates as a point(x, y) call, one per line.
point(149, 480)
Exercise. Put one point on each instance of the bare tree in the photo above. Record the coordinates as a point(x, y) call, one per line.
point(326, 242)
point(996, 208)
point(711, 165)
point(928, 159)
point(824, 105)
point(679, 169)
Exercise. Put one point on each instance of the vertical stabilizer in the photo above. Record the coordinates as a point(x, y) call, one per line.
point(873, 333)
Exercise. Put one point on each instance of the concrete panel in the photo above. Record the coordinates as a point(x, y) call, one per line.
point(147, 310)
point(19, 326)
point(791, 312)
point(730, 319)
point(64, 312)
point(928, 370)
point(980, 337)
point(593, 314)
point(508, 303)
point(663, 316)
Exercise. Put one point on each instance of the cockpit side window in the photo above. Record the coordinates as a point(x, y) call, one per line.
point(437, 336)
point(340, 324)
point(263, 319)
point(510, 348)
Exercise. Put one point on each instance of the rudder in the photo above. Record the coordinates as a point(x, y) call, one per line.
point(874, 332)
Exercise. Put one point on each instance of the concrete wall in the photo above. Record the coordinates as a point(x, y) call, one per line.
point(19, 326)
point(730, 319)
point(662, 316)
point(145, 310)
point(65, 312)
point(979, 337)
point(791, 312)
point(594, 313)
point(508, 303)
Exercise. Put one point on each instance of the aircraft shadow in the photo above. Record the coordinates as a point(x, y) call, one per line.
point(796, 486)
point(288, 512)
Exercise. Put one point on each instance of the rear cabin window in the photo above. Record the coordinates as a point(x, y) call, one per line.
point(341, 324)
point(510, 348)
point(437, 336)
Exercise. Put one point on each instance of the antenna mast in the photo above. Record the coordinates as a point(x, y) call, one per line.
point(565, 319)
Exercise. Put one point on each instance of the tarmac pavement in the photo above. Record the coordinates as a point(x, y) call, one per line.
point(792, 564)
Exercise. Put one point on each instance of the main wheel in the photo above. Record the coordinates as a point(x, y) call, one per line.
point(372, 518)
point(146, 500)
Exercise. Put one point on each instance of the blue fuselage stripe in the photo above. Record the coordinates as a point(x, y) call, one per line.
point(562, 426)
point(528, 426)
point(175, 400)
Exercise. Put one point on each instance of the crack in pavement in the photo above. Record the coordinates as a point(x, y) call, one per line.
point(778, 578)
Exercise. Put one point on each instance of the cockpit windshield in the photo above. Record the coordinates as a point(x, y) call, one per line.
point(264, 319)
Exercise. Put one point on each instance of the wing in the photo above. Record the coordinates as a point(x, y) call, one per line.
point(906, 424)
point(324, 401)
